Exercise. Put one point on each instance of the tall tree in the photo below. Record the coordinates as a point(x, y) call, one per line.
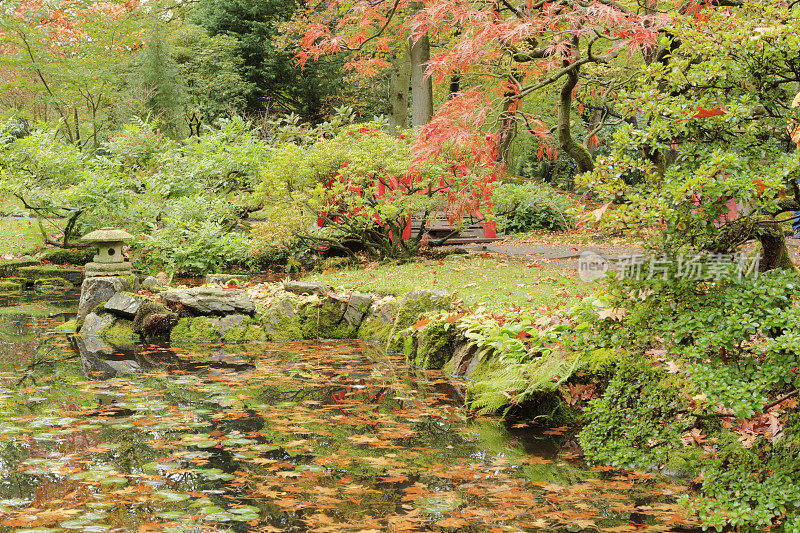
point(276, 84)
point(157, 73)
point(71, 55)
point(528, 45)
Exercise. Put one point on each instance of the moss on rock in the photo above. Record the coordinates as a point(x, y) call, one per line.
point(412, 307)
point(36, 272)
point(63, 256)
point(52, 285)
point(10, 267)
point(324, 319)
point(231, 328)
point(281, 323)
point(377, 324)
point(11, 285)
point(120, 329)
point(70, 326)
point(435, 343)
point(196, 329)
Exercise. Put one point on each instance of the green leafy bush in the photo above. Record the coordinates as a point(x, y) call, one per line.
point(198, 234)
point(528, 206)
point(362, 186)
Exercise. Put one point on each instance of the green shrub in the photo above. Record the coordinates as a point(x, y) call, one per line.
point(361, 185)
point(529, 206)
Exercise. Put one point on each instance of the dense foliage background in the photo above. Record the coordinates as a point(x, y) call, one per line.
point(228, 135)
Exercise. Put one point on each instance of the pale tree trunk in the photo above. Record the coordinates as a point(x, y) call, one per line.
point(421, 85)
point(399, 80)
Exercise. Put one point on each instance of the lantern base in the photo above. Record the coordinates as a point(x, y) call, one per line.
point(107, 269)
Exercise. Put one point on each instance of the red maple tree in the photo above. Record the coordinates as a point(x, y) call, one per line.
point(503, 51)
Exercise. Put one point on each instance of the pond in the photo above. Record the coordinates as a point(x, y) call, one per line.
point(324, 436)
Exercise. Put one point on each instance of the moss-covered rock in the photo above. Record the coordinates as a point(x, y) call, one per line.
point(70, 326)
point(231, 328)
point(435, 344)
point(194, 329)
point(11, 285)
point(120, 329)
point(61, 256)
point(36, 272)
point(281, 322)
point(323, 318)
point(10, 267)
point(52, 285)
point(378, 323)
point(413, 306)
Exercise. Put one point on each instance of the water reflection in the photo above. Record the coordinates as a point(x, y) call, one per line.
point(326, 436)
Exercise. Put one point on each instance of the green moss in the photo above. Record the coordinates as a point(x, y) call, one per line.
point(207, 329)
point(281, 323)
point(410, 347)
point(10, 267)
point(412, 308)
point(33, 273)
point(51, 285)
point(197, 329)
point(324, 319)
point(145, 310)
point(435, 344)
point(120, 329)
point(248, 333)
point(10, 285)
point(254, 333)
point(70, 326)
point(62, 256)
point(33, 310)
point(372, 328)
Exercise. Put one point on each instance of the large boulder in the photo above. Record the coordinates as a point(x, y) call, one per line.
point(98, 290)
point(125, 304)
point(210, 300)
point(412, 307)
point(230, 328)
point(378, 322)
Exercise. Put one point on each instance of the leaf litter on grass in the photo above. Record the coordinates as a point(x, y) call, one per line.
point(327, 436)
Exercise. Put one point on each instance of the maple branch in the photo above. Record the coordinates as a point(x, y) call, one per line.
point(780, 400)
point(389, 17)
point(575, 65)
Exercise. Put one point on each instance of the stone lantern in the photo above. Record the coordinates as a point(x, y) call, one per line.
point(109, 260)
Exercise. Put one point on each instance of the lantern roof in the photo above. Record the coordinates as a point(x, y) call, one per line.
point(107, 235)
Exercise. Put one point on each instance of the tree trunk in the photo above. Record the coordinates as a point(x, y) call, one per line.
point(421, 85)
point(399, 80)
point(508, 119)
point(580, 154)
point(773, 248)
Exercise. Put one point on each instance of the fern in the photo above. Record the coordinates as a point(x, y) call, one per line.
point(508, 383)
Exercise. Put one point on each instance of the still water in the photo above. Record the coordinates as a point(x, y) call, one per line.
point(322, 436)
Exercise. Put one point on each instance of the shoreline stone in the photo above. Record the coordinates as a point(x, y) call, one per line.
point(210, 300)
point(98, 290)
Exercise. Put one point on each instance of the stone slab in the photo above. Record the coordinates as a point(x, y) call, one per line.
point(211, 300)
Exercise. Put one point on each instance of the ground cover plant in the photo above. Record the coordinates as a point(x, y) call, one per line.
point(20, 236)
point(488, 282)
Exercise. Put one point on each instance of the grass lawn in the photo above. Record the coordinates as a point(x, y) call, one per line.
point(494, 283)
point(18, 235)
